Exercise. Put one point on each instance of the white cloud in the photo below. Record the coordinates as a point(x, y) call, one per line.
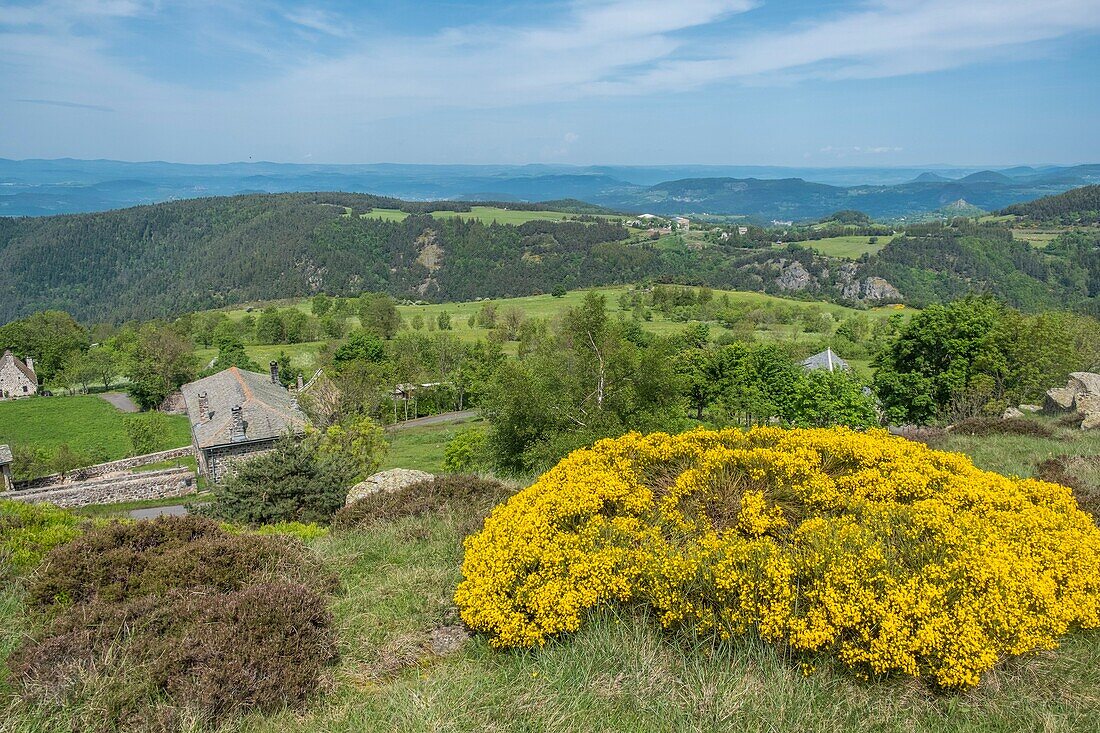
point(314, 87)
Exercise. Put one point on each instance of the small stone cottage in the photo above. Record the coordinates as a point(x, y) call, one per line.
point(17, 378)
point(235, 414)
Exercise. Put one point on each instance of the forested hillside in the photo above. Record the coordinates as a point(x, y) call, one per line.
point(167, 259)
point(1076, 206)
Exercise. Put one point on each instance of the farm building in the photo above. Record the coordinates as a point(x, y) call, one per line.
point(235, 414)
point(17, 378)
point(827, 360)
point(5, 469)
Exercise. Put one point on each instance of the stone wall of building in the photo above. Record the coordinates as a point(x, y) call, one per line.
point(163, 484)
point(102, 469)
point(14, 384)
point(219, 461)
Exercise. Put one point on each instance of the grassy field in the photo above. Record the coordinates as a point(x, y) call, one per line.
point(88, 424)
point(484, 214)
point(620, 672)
point(1038, 238)
point(1016, 455)
point(421, 448)
point(545, 306)
point(852, 247)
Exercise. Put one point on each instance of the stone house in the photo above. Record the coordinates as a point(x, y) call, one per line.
point(17, 378)
point(6, 483)
point(235, 414)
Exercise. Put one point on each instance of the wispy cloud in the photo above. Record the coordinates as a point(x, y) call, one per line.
point(318, 74)
point(63, 103)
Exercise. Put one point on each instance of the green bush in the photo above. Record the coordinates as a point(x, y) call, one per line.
point(29, 531)
point(174, 623)
point(292, 483)
point(468, 450)
point(456, 492)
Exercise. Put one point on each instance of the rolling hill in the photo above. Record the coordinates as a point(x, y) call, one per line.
point(166, 259)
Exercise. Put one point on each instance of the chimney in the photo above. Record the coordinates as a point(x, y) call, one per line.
point(236, 432)
point(204, 407)
point(274, 372)
point(301, 382)
point(30, 363)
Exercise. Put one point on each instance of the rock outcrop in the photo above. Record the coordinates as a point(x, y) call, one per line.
point(1080, 395)
point(392, 480)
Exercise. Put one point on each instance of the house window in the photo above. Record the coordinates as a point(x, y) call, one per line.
point(24, 389)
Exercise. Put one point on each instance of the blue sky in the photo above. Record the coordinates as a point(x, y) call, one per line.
point(879, 82)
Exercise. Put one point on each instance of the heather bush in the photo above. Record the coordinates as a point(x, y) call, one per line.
point(173, 622)
point(461, 492)
point(1081, 474)
point(981, 426)
point(180, 656)
point(123, 560)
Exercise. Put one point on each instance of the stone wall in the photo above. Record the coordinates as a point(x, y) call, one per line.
point(102, 469)
point(13, 383)
point(218, 463)
point(163, 484)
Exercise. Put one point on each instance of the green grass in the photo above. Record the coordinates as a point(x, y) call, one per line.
point(851, 246)
point(620, 671)
point(87, 423)
point(303, 356)
point(1037, 238)
point(484, 214)
point(1015, 455)
point(421, 448)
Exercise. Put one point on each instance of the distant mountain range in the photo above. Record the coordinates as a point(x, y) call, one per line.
point(757, 193)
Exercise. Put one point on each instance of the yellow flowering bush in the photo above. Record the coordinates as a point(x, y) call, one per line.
point(891, 556)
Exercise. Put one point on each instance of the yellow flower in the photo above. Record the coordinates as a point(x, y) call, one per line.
point(893, 557)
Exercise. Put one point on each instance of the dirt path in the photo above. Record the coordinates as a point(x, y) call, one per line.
point(120, 400)
point(441, 419)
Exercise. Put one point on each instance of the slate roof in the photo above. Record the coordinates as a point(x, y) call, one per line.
point(267, 409)
point(10, 358)
point(827, 360)
point(5, 455)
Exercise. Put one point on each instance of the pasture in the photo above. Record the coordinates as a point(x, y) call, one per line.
point(850, 246)
point(86, 423)
point(484, 214)
point(303, 356)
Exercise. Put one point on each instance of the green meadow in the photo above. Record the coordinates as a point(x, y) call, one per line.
point(852, 247)
point(88, 424)
point(484, 214)
point(303, 355)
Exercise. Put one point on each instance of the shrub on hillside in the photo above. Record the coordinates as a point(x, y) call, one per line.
point(1081, 474)
point(468, 450)
point(455, 492)
point(997, 426)
point(29, 531)
point(180, 656)
point(120, 561)
point(171, 622)
point(893, 557)
point(292, 483)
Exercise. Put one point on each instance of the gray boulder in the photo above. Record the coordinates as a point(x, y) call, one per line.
point(392, 480)
point(1010, 413)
